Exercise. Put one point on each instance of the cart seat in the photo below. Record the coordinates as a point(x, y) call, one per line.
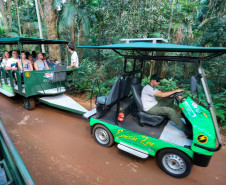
point(106, 101)
point(145, 118)
point(112, 97)
point(59, 73)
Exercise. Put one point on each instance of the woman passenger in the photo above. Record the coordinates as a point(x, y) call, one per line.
point(27, 66)
point(45, 59)
point(5, 59)
point(30, 59)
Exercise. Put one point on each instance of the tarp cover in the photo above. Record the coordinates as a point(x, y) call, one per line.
point(147, 46)
point(29, 40)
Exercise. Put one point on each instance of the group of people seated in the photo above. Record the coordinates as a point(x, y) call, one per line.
point(28, 62)
point(11, 61)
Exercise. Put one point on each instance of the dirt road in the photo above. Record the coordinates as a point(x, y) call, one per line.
point(57, 149)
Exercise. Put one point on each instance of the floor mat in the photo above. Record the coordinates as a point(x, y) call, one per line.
point(174, 135)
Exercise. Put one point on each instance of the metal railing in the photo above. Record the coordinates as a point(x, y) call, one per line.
point(14, 159)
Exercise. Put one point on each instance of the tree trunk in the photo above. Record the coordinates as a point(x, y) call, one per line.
point(80, 40)
point(10, 14)
point(4, 15)
point(72, 32)
point(18, 16)
point(164, 69)
point(171, 19)
point(152, 67)
point(50, 20)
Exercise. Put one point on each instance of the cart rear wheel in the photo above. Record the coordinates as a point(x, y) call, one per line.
point(29, 103)
point(103, 136)
point(174, 163)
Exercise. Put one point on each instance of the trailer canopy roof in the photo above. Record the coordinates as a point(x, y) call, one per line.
point(146, 46)
point(29, 40)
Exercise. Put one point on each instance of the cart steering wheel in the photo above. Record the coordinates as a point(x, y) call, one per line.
point(175, 95)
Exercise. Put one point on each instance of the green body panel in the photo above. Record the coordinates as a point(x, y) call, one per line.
point(143, 142)
point(11, 79)
point(19, 81)
point(202, 124)
point(3, 73)
point(36, 82)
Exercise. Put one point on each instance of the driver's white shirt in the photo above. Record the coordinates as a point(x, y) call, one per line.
point(148, 97)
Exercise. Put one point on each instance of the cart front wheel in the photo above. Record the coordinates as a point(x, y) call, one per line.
point(174, 163)
point(29, 103)
point(103, 136)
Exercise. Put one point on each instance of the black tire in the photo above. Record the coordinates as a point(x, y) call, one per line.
point(174, 163)
point(29, 103)
point(103, 136)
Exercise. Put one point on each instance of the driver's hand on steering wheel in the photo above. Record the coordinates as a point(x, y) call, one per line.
point(178, 90)
point(180, 97)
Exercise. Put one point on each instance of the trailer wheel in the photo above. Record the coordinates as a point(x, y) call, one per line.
point(103, 136)
point(29, 103)
point(174, 163)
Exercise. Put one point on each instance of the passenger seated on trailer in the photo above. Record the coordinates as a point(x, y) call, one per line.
point(30, 59)
point(34, 55)
point(40, 64)
point(5, 58)
point(55, 63)
point(27, 66)
point(45, 59)
point(163, 107)
point(11, 63)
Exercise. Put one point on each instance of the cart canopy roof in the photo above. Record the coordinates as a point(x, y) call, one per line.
point(147, 46)
point(29, 40)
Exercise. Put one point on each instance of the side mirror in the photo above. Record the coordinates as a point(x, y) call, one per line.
point(193, 84)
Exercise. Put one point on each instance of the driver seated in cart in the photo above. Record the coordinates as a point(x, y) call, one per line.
point(163, 107)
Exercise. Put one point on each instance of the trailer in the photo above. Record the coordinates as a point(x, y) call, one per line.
point(46, 86)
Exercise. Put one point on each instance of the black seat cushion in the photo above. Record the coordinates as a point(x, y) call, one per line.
point(152, 120)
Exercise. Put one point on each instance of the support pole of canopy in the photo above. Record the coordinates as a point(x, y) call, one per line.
point(39, 24)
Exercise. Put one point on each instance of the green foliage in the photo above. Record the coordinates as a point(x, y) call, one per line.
point(81, 80)
point(97, 22)
point(220, 107)
point(168, 84)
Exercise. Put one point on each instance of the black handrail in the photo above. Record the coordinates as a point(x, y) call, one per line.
point(209, 149)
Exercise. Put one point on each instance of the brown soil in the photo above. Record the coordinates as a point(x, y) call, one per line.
point(57, 149)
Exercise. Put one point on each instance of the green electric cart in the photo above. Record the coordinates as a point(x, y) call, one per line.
point(12, 169)
point(119, 116)
point(46, 86)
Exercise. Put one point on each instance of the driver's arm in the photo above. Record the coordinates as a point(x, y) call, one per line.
point(166, 94)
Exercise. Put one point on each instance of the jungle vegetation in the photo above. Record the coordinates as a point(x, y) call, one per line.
point(99, 22)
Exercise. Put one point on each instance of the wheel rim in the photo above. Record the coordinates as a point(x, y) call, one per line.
point(174, 163)
point(102, 136)
point(26, 103)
